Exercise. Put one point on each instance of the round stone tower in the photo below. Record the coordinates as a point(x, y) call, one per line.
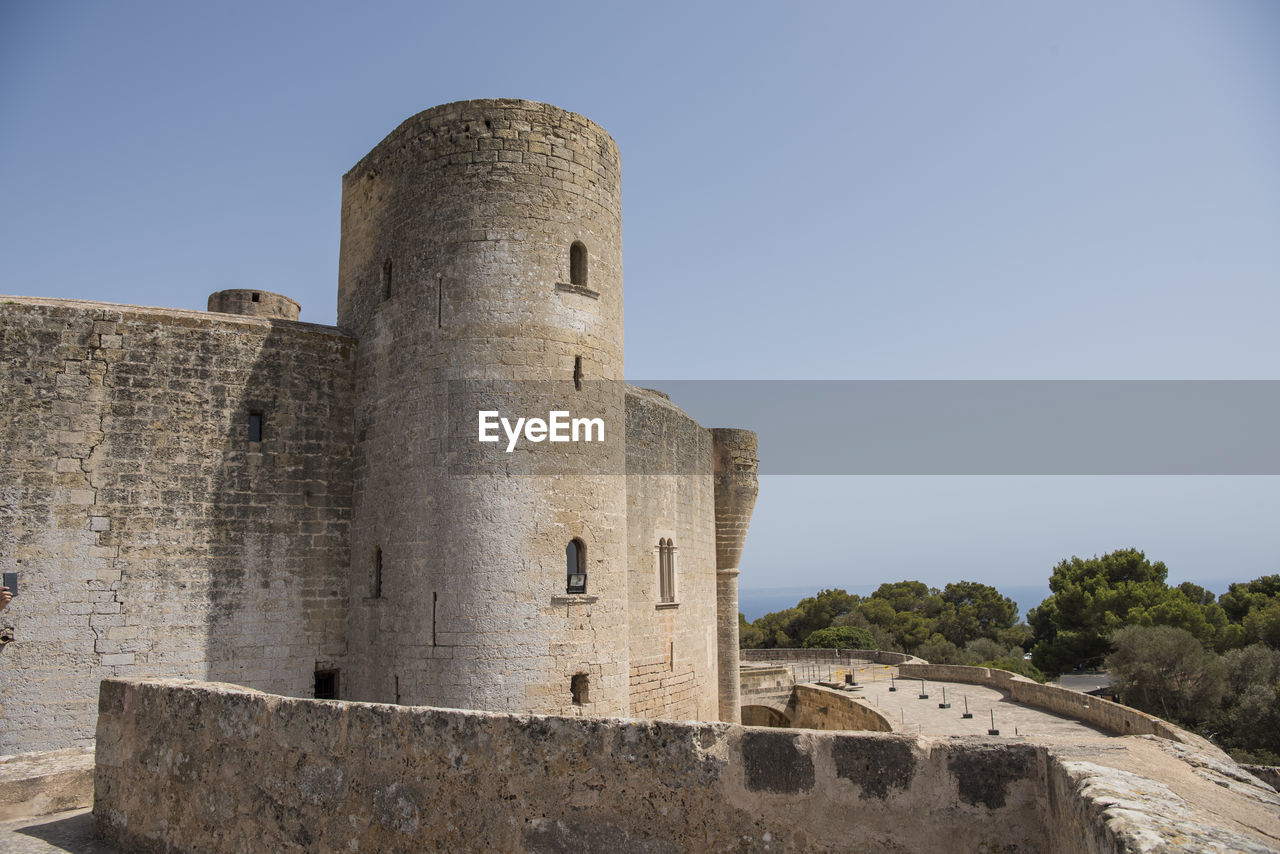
point(481, 270)
point(736, 486)
point(254, 303)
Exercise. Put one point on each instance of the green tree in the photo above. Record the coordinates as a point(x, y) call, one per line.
point(1196, 593)
point(1092, 598)
point(1248, 724)
point(840, 637)
point(773, 628)
point(913, 596)
point(938, 650)
point(1020, 636)
point(818, 612)
point(1167, 672)
point(749, 637)
point(911, 629)
point(1240, 599)
point(985, 649)
point(1204, 620)
point(972, 610)
point(877, 612)
point(1263, 624)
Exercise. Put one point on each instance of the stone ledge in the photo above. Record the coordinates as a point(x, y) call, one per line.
point(33, 784)
point(581, 290)
point(196, 317)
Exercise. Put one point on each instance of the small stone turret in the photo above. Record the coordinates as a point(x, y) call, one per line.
point(254, 303)
point(736, 486)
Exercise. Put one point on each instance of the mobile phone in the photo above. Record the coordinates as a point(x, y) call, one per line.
point(11, 581)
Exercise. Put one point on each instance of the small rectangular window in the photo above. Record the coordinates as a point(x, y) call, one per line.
point(255, 298)
point(255, 426)
point(326, 685)
point(579, 689)
point(377, 572)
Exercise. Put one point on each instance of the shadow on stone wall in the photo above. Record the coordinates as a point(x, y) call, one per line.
point(279, 508)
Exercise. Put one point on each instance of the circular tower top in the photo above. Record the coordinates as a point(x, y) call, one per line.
point(254, 303)
point(488, 220)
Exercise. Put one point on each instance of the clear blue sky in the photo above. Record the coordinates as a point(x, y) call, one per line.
point(869, 190)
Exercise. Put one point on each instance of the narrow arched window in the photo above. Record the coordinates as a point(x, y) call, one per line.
point(666, 570)
point(578, 264)
point(576, 559)
point(386, 280)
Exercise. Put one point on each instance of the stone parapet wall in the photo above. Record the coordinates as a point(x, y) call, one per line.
point(816, 707)
point(765, 695)
point(880, 656)
point(1112, 717)
point(825, 656)
point(216, 768)
point(759, 680)
point(45, 782)
point(801, 655)
point(1104, 714)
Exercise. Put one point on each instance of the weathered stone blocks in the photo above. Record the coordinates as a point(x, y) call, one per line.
point(187, 766)
point(133, 495)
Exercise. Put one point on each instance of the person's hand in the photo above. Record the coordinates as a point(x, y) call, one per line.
point(5, 598)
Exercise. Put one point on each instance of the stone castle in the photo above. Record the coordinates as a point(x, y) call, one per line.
point(545, 631)
point(241, 497)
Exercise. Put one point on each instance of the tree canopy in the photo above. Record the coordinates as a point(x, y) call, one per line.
point(840, 637)
point(1166, 671)
point(1093, 598)
point(900, 616)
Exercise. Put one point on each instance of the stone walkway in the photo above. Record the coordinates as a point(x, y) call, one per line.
point(913, 715)
point(70, 831)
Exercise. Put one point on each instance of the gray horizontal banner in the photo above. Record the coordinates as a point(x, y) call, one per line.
point(999, 427)
point(890, 427)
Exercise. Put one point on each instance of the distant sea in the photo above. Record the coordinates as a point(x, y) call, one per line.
point(755, 603)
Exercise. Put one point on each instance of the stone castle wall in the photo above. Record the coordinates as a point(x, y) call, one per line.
point(151, 537)
point(670, 495)
point(238, 496)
